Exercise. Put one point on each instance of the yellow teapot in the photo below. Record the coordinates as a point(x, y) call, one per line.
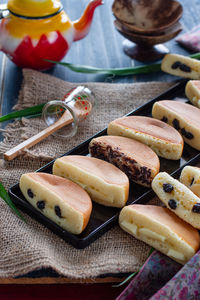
point(32, 31)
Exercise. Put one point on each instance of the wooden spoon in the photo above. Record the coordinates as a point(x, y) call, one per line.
point(80, 109)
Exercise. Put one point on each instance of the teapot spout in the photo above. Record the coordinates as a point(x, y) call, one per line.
point(82, 26)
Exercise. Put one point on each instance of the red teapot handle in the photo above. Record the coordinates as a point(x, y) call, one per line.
point(3, 11)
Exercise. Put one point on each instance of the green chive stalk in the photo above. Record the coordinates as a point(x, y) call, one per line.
point(117, 71)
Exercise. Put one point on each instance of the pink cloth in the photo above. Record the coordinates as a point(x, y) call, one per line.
point(191, 39)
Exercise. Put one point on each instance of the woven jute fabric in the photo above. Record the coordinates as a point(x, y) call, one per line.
point(30, 246)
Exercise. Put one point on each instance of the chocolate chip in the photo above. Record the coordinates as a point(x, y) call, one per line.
point(196, 208)
point(192, 181)
point(175, 123)
point(164, 119)
point(172, 204)
point(167, 187)
point(176, 65)
point(30, 193)
point(58, 211)
point(185, 68)
point(41, 204)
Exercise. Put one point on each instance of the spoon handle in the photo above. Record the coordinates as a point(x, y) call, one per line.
point(17, 150)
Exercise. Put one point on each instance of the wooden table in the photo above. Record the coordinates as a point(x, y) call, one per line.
point(101, 48)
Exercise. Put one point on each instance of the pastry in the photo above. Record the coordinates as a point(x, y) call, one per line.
point(190, 176)
point(137, 160)
point(61, 200)
point(162, 229)
point(161, 137)
point(192, 91)
point(177, 197)
point(183, 117)
point(105, 183)
point(180, 65)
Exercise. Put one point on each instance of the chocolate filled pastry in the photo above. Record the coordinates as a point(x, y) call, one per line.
point(190, 176)
point(159, 136)
point(178, 198)
point(105, 183)
point(192, 91)
point(183, 117)
point(60, 199)
point(137, 160)
point(161, 229)
point(180, 65)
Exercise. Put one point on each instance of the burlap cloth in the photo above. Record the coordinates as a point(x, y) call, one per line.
point(31, 246)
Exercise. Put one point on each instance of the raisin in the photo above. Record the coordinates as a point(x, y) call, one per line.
point(30, 193)
point(183, 132)
point(189, 135)
point(176, 124)
point(196, 208)
point(185, 68)
point(58, 211)
point(192, 181)
point(167, 187)
point(41, 204)
point(164, 119)
point(172, 204)
point(176, 65)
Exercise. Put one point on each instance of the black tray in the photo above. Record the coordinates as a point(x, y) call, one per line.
point(102, 217)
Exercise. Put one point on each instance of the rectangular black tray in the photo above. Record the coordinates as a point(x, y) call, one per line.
point(102, 217)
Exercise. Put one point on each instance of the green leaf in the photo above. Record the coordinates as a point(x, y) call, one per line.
point(30, 111)
point(4, 195)
point(135, 273)
point(156, 67)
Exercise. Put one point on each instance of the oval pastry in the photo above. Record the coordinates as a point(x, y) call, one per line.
point(180, 65)
point(192, 91)
point(190, 176)
point(159, 136)
point(105, 183)
point(162, 229)
point(183, 117)
point(60, 199)
point(177, 197)
point(137, 160)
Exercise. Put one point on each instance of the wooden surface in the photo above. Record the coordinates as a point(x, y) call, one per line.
point(101, 48)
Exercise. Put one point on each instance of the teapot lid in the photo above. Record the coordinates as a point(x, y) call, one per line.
point(34, 8)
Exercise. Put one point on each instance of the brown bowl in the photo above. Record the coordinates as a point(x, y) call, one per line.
point(148, 39)
point(147, 16)
point(146, 48)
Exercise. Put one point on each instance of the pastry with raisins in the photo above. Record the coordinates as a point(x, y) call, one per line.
point(159, 136)
point(183, 117)
point(161, 229)
point(180, 65)
point(190, 176)
point(177, 197)
point(192, 91)
point(59, 199)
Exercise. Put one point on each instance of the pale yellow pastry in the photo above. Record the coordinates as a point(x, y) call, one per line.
point(159, 136)
point(137, 160)
point(180, 65)
point(190, 176)
point(161, 229)
point(192, 91)
point(177, 197)
point(105, 183)
point(183, 117)
point(60, 199)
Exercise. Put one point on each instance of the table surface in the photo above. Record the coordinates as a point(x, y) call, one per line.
point(101, 48)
